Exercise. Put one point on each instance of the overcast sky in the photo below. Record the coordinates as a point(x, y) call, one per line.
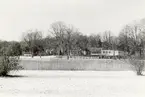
point(90, 16)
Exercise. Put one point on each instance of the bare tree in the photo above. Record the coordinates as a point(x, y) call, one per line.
point(33, 39)
point(124, 39)
point(64, 35)
point(107, 40)
point(133, 41)
point(70, 36)
point(58, 30)
point(95, 40)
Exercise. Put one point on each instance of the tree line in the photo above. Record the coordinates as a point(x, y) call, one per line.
point(63, 38)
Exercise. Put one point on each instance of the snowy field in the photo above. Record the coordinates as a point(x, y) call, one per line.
point(78, 63)
point(73, 84)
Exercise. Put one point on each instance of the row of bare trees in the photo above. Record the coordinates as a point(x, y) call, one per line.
point(63, 38)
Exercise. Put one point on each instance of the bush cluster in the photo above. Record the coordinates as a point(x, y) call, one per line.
point(7, 64)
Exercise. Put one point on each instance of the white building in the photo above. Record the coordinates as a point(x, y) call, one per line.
point(112, 53)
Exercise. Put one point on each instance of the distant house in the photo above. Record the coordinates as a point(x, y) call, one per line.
point(95, 51)
point(75, 52)
point(27, 54)
point(78, 52)
point(49, 51)
point(105, 53)
point(111, 53)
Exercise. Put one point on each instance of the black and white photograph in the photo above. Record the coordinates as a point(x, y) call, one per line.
point(72, 48)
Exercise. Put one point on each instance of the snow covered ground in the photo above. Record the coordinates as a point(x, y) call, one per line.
point(73, 84)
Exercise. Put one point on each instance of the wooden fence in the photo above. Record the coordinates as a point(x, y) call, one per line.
point(75, 64)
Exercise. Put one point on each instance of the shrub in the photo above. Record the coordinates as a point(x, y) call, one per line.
point(136, 62)
point(138, 65)
point(7, 64)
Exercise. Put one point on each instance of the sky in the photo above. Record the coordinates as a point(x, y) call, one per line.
point(89, 16)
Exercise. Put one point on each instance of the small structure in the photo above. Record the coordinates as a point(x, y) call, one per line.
point(95, 51)
point(75, 52)
point(49, 51)
point(99, 52)
point(27, 54)
point(112, 53)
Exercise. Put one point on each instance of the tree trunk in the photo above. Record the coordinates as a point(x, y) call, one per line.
point(139, 72)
